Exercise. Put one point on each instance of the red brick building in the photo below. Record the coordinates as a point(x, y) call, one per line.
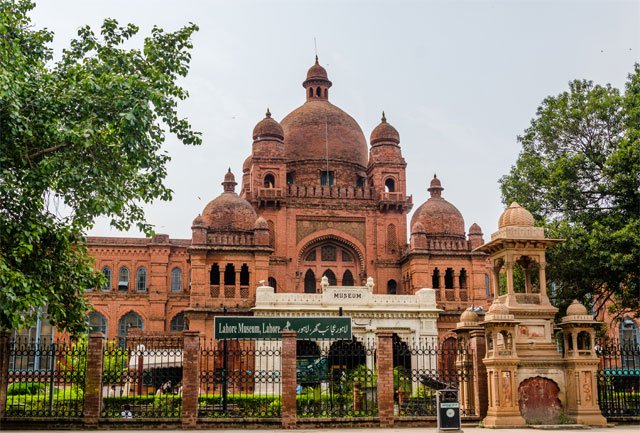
point(315, 200)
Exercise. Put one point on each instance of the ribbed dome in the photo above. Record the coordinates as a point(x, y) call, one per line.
point(228, 211)
point(515, 215)
point(468, 316)
point(475, 229)
point(268, 128)
point(576, 309)
point(438, 216)
point(319, 129)
point(498, 309)
point(384, 132)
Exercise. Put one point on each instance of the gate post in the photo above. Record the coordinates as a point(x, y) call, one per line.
point(478, 349)
point(385, 378)
point(289, 381)
point(190, 378)
point(93, 379)
point(5, 339)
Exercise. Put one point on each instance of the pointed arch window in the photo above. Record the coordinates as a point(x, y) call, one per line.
point(273, 283)
point(309, 282)
point(141, 279)
point(178, 323)
point(347, 278)
point(97, 323)
point(214, 275)
point(131, 320)
point(176, 280)
point(106, 271)
point(244, 275)
point(392, 287)
point(123, 279)
point(435, 279)
point(229, 275)
point(331, 277)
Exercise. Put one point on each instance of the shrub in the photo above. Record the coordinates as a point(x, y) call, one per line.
point(26, 388)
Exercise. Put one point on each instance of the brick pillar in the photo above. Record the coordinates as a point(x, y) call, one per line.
point(190, 378)
point(93, 379)
point(5, 341)
point(288, 374)
point(385, 378)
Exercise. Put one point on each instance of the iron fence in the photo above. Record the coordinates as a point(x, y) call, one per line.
point(240, 379)
point(421, 368)
point(619, 380)
point(142, 378)
point(336, 379)
point(46, 378)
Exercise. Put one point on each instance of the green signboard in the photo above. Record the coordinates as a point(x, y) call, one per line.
point(256, 328)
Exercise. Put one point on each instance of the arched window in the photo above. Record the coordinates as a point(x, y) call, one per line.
point(141, 279)
point(214, 275)
point(390, 185)
point(347, 278)
point(392, 239)
point(487, 286)
point(178, 323)
point(269, 181)
point(131, 320)
point(318, 91)
point(392, 287)
point(328, 253)
point(106, 271)
point(123, 279)
point(309, 282)
point(244, 275)
point(310, 92)
point(463, 278)
point(448, 279)
point(331, 277)
point(176, 280)
point(97, 323)
point(326, 93)
point(229, 275)
point(435, 279)
point(273, 283)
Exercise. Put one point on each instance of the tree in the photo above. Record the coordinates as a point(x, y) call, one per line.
point(80, 137)
point(579, 175)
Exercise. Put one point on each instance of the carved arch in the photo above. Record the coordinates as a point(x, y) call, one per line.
point(338, 237)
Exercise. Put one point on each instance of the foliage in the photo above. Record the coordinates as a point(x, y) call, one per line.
point(401, 379)
point(579, 174)
point(74, 363)
point(26, 388)
point(81, 138)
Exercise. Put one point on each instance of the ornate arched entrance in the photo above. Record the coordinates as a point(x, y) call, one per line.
point(336, 260)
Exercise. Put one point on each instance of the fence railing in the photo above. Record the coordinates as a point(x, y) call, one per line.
point(142, 378)
point(46, 378)
point(336, 379)
point(421, 369)
point(240, 379)
point(619, 380)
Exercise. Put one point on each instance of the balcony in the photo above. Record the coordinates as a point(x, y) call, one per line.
point(269, 197)
point(395, 201)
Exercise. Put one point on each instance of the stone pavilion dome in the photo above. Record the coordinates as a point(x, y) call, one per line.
point(515, 215)
point(576, 309)
point(228, 211)
point(318, 130)
point(439, 217)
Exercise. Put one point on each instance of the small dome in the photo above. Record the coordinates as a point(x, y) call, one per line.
point(418, 228)
point(576, 309)
point(438, 216)
point(268, 128)
point(246, 165)
point(475, 229)
point(384, 132)
point(198, 221)
point(469, 316)
point(317, 72)
point(228, 211)
point(261, 224)
point(515, 215)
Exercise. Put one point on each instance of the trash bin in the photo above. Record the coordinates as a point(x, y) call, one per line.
point(448, 410)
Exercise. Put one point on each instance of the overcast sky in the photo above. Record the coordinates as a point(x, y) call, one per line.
point(460, 80)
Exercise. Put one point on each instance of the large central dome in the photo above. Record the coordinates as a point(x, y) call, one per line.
point(318, 130)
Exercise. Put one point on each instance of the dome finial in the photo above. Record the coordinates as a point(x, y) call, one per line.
point(229, 183)
point(268, 114)
point(317, 63)
point(384, 118)
point(435, 188)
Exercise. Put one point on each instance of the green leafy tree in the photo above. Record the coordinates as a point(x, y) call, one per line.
point(579, 175)
point(80, 137)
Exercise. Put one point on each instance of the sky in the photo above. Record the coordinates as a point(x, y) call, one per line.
point(460, 80)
